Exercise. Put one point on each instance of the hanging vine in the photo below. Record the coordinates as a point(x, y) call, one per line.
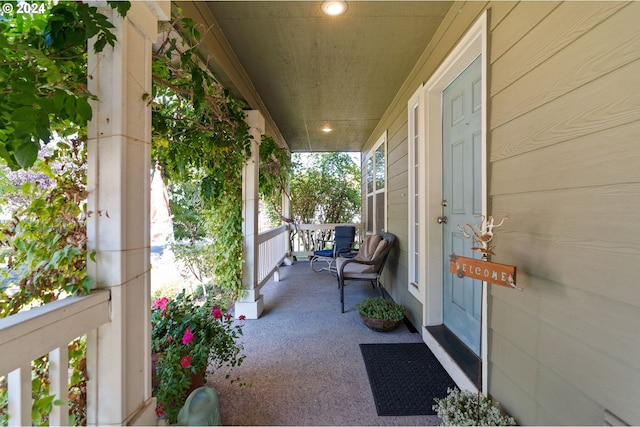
point(200, 136)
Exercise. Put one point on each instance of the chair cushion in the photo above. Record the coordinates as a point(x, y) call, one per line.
point(368, 247)
point(359, 271)
point(379, 249)
point(328, 253)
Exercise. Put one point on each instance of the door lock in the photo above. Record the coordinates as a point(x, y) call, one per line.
point(442, 220)
point(444, 202)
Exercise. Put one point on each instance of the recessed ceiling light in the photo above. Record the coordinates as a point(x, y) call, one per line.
point(326, 129)
point(334, 7)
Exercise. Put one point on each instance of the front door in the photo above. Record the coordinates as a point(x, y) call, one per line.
point(462, 200)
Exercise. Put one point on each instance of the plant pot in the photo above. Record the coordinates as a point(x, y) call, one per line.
point(380, 325)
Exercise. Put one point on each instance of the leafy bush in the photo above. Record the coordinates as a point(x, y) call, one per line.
point(466, 408)
point(192, 337)
point(381, 308)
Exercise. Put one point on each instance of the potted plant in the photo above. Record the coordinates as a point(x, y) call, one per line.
point(192, 338)
point(380, 314)
point(466, 408)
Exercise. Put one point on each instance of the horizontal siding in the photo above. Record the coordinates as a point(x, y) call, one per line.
point(558, 29)
point(564, 154)
point(578, 64)
point(580, 162)
point(520, 21)
point(602, 105)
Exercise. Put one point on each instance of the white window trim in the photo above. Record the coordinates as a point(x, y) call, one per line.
point(372, 154)
point(416, 213)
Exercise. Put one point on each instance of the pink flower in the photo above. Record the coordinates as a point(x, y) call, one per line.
point(242, 317)
point(216, 313)
point(187, 337)
point(161, 303)
point(159, 411)
point(185, 361)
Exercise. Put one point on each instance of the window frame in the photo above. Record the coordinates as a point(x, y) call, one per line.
point(416, 193)
point(372, 189)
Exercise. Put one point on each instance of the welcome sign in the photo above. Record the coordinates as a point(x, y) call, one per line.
point(498, 274)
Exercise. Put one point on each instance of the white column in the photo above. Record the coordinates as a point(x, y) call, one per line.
point(251, 304)
point(118, 181)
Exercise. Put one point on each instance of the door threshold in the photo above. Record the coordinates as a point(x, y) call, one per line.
point(460, 359)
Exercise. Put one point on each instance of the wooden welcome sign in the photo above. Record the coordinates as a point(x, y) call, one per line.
point(498, 274)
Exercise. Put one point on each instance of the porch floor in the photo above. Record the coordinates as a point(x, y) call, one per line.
point(303, 357)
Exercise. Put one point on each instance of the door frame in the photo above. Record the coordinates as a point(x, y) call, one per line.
point(473, 44)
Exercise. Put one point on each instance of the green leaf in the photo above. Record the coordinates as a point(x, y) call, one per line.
point(121, 6)
point(24, 114)
point(84, 109)
point(27, 153)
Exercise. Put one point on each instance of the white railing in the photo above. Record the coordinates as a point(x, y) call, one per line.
point(306, 238)
point(48, 329)
point(272, 247)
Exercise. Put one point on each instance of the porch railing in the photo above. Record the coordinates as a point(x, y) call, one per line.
point(306, 238)
point(48, 329)
point(272, 247)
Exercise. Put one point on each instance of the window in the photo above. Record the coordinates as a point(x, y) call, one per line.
point(376, 182)
point(415, 199)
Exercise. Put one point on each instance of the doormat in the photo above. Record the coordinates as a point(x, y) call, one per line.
point(405, 378)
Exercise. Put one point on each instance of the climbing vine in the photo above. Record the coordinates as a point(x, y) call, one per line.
point(275, 173)
point(200, 136)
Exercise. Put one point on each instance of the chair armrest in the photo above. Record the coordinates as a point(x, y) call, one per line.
point(346, 252)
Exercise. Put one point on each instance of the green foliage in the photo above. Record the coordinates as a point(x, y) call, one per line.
point(192, 336)
point(202, 142)
point(44, 245)
point(43, 84)
point(326, 189)
point(187, 211)
point(197, 257)
point(275, 172)
point(226, 226)
point(466, 408)
point(381, 308)
point(43, 75)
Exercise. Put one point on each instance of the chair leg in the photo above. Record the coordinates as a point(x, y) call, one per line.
point(381, 288)
point(341, 284)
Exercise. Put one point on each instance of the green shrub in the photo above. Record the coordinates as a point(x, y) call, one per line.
point(381, 308)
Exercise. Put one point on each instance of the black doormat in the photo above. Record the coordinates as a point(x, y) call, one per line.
point(404, 378)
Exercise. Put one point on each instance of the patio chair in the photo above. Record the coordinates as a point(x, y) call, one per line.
point(342, 244)
point(368, 264)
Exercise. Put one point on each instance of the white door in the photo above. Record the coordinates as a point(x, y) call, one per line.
point(462, 200)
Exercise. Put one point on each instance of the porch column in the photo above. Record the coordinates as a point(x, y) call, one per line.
point(118, 354)
point(251, 304)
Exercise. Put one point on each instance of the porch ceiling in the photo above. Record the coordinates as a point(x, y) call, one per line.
point(309, 70)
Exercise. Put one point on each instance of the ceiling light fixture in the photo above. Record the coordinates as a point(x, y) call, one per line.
point(334, 7)
point(326, 129)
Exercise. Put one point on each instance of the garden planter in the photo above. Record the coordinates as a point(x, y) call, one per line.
point(380, 325)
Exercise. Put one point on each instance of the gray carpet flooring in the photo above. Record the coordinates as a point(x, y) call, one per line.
point(303, 358)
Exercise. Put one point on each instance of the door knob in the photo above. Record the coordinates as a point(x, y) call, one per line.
point(442, 220)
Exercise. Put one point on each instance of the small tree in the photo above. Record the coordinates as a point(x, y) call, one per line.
point(325, 189)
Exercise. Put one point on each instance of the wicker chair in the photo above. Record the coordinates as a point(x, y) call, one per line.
point(367, 264)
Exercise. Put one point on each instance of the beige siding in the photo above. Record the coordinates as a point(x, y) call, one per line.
point(564, 164)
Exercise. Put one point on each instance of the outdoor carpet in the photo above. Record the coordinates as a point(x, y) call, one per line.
point(404, 378)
